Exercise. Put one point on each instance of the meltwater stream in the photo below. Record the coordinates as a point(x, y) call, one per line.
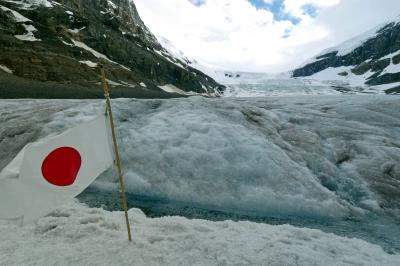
point(325, 162)
point(383, 231)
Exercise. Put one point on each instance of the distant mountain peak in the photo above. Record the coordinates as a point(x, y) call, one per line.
point(370, 59)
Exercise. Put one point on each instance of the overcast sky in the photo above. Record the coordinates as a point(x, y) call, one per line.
point(261, 35)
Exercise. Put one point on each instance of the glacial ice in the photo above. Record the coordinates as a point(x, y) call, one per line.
point(310, 156)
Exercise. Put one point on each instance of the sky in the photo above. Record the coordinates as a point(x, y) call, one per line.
point(261, 35)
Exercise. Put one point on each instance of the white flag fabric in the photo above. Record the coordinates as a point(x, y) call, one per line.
point(48, 173)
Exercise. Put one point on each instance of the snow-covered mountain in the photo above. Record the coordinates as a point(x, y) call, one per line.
point(57, 45)
point(371, 60)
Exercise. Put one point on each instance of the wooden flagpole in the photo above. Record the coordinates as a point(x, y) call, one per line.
point(117, 158)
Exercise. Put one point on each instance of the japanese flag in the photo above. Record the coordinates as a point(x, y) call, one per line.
point(48, 173)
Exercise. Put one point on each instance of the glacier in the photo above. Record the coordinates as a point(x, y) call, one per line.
point(317, 157)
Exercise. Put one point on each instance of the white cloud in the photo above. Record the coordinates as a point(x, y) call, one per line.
point(233, 34)
point(295, 7)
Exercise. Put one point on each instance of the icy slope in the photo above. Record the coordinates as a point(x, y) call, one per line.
point(77, 235)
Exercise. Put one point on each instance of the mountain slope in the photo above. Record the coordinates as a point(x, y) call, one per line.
point(371, 59)
point(52, 49)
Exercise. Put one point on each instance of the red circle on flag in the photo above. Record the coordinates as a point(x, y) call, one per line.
point(61, 166)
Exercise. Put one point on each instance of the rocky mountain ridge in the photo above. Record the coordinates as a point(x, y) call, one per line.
point(52, 49)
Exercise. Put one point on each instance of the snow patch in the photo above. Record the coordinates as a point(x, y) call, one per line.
point(330, 76)
point(113, 83)
point(114, 6)
point(173, 89)
point(75, 31)
point(392, 68)
point(68, 44)
point(96, 54)
point(390, 55)
point(382, 88)
point(127, 84)
point(92, 51)
point(89, 63)
point(29, 36)
point(30, 4)
point(44, 3)
point(6, 69)
point(17, 16)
